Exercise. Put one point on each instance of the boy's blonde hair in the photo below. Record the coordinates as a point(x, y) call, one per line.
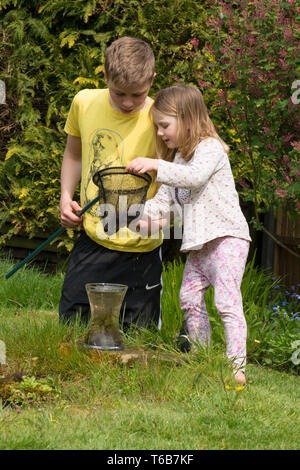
point(129, 62)
point(194, 124)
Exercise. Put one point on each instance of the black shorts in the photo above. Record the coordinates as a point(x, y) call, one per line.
point(91, 262)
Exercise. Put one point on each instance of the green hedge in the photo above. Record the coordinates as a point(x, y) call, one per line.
point(51, 50)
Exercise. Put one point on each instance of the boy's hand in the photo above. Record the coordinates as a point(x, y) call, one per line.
point(68, 216)
point(142, 165)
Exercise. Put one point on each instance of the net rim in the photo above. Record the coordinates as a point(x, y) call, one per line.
point(121, 171)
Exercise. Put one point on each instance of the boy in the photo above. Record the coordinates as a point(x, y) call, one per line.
point(110, 127)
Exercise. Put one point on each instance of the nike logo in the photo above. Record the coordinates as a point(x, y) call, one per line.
point(152, 287)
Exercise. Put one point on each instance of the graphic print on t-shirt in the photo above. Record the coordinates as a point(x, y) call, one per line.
point(106, 150)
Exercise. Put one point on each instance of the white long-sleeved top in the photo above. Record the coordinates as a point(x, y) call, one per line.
point(211, 206)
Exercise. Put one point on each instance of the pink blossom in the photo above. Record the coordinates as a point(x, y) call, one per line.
point(288, 34)
point(288, 179)
point(209, 48)
point(231, 103)
point(195, 42)
point(204, 84)
point(287, 138)
point(297, 173)
point(271, 147)
point(296, 145)
point(243, 183)
point(284, 64)
point(281, 193)
point(224, 60)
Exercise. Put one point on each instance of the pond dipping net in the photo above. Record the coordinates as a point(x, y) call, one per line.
point(122, 196)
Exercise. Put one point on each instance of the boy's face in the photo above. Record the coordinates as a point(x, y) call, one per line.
point(130, 99)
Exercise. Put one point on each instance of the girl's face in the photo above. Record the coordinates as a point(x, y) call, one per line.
point(167, 128)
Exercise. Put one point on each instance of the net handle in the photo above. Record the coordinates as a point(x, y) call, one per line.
point(46, 242)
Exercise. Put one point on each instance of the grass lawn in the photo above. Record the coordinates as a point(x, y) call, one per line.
point(153, 404)
point(263, 416)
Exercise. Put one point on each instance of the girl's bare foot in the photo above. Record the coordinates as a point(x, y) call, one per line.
point(240, 377)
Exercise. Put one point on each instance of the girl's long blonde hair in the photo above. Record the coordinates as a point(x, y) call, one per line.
point(194, 124)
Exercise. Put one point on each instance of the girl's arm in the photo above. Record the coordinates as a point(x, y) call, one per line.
point(147, 226)
point(157, 212)
point(207, 159)
point(162, 201)
point(159, 206)
point(142, 165)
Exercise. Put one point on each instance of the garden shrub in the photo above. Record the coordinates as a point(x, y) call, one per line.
point(240, 54)
point(248, 73)
point(50, 51)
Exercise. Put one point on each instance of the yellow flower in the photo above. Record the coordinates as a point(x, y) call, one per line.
point(240, 387)
point(23, 193)
point(99, 69)
point(227, 387)
point(81, 80)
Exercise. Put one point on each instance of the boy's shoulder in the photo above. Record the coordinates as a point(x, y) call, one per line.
point(91, 93)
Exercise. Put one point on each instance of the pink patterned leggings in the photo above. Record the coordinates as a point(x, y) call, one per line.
point(220, 263)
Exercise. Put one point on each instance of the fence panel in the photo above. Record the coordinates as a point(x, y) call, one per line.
point(286, 265)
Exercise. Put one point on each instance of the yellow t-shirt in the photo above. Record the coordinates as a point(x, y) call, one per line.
point(110, 138)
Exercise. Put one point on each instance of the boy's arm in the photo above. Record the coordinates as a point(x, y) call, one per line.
point(70, 176)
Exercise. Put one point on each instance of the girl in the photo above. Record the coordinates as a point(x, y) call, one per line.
point(195, 171)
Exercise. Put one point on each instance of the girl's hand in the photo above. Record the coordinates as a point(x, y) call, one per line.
point(148, 227)
point(142, 165)
point(143, 227)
